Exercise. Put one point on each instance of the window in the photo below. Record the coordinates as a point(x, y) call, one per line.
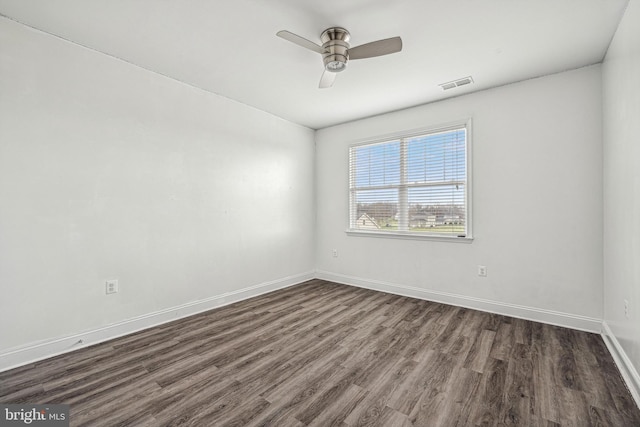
point(412, 185)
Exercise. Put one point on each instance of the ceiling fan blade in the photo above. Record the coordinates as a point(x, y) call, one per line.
point(377, 48)
point(327, 79)
point(300, 41)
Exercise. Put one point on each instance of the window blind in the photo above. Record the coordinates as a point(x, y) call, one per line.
point(414, 184)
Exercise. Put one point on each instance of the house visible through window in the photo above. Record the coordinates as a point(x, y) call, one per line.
point(415, 184)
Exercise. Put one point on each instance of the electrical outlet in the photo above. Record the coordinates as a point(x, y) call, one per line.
point(111, 286)
point(334, 252)
point(626, 309)
point(482, 271)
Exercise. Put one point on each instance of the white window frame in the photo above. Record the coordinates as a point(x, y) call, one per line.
point(399, 234)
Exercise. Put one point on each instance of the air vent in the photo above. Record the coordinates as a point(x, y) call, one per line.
point(456, 83)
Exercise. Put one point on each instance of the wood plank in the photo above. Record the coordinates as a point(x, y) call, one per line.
point(478, 355)
point(490, 402)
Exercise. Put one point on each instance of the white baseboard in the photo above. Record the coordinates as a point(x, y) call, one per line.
point(49, 348)
point(42, 350)
point(557, 318)
point(626, 368)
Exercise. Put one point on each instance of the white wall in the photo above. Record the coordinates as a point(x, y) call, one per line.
point(110, 171)
point(621, 108)
point(537, 205)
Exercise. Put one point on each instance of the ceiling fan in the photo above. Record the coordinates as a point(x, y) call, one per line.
point(336, 51)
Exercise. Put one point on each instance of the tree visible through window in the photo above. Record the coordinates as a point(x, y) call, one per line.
point(412, 184)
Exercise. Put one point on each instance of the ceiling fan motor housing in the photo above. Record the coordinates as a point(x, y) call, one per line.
point(335, 43)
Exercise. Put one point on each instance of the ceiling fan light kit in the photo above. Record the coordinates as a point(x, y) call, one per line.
point(335, 46)
point(336, 51)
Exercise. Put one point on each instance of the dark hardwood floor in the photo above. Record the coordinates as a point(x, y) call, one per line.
point(325, 354)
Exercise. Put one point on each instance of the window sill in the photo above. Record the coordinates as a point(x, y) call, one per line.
point(409, 236)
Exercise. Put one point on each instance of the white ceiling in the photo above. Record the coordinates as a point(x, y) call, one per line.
point(230, 47)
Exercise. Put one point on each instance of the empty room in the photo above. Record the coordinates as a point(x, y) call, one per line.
point(298, 213)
